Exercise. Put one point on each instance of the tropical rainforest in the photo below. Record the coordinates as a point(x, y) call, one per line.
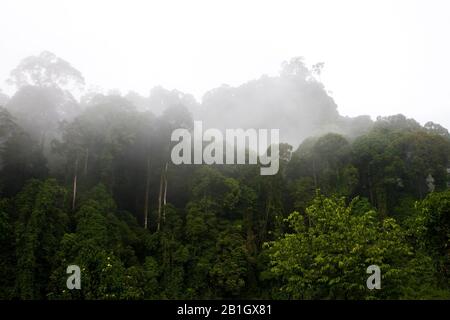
point(86, 179)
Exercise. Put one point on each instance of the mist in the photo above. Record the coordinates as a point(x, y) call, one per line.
point(381, 57)
point(49, 91)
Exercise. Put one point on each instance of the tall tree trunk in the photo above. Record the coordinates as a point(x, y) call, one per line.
point(42, 142)
point(381, 201)
point(74, 197)
point(266, 220)
point(112, 180)
point(314, 173)
point(161, 182)
point(147, 188)
point(165, 192)
point(369, 182)
point(86, 159)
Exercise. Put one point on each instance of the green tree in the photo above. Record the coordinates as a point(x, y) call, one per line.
point(20, 157)
point(326, 254)
point(433, 232)
point(42, 222)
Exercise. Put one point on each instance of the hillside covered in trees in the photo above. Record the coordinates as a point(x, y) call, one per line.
point(87, 179)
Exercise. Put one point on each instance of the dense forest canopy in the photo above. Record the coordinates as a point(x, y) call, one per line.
point(86, 179)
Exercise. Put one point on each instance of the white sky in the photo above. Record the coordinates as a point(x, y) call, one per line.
point(381, 57)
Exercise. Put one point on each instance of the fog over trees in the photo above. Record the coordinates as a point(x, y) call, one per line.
point(295, 101)
point(86, 178)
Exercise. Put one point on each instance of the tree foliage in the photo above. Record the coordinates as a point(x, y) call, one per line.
point(91, 183)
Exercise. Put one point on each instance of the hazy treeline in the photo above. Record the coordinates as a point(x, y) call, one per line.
point(89, 181)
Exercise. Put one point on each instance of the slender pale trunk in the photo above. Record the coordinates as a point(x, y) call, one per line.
point(382, 202)
point(165, 192)
point(161, 182)
point(314, 173)
point(86, 159)
point(74, 197)
point(266, 220)
point(147, 188)
point(42, 142)
point(369, 182)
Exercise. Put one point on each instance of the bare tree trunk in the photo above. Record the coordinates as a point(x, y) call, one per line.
point(382, 202)
point(75, 184)
point(165, 192)
point(369, 182)
point(266, 220)
point(147, 188)
point(42, 142)
point(86, 159)
point(161, 182)
point(314, 173)
point(112, 181)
